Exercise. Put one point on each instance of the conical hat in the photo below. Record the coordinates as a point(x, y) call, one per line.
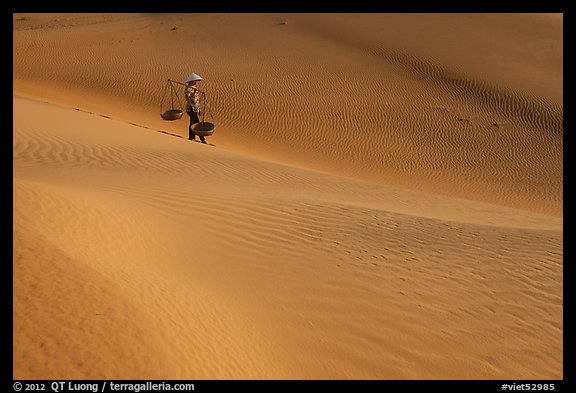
point(194, 77)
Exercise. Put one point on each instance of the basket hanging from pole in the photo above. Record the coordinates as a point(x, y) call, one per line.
point(174, 112)
point(204, 128)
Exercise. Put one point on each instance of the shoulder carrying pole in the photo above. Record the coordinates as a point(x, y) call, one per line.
point(183, 84)
point(180, 83)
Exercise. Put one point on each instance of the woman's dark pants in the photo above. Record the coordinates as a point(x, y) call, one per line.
point(193, 120)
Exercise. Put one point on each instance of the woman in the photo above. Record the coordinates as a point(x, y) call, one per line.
point(192, 95)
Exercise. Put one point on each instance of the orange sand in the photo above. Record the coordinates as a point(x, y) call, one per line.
point(382, 197)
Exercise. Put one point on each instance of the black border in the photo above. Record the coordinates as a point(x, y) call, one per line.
point(295, 6)
point(271, 6)
point(268, 386)
point(7, 266)
point(569, 325)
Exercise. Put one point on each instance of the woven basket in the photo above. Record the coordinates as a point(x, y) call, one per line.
point(203, 128)
point(172, 114)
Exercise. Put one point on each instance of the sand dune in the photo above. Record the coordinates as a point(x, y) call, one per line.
point(382, 198)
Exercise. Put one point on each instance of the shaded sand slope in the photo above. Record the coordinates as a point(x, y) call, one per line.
point(461, 105)
point(140, 255)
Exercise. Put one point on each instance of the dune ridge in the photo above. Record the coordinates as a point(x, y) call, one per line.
point(427, 246)
point(386, 103)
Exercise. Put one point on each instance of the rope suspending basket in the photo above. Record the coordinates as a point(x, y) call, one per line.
point(204, 128)
point(174, 112)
